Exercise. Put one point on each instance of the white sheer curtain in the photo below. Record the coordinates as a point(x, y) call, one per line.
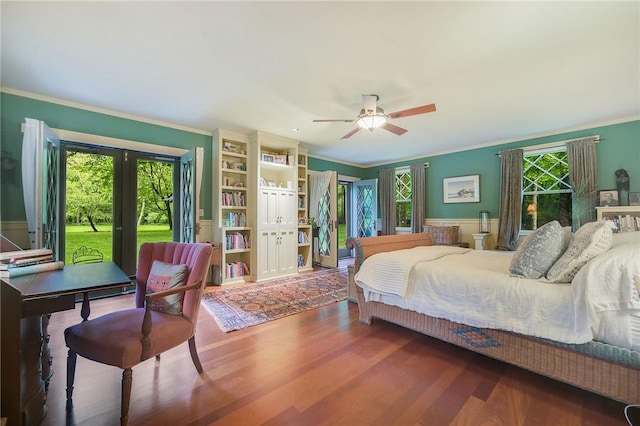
point(31, 153)
point(319, 186)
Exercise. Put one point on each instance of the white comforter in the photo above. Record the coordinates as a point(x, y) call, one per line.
point(474, 288)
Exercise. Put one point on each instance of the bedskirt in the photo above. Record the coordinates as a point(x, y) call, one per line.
point(600, 368)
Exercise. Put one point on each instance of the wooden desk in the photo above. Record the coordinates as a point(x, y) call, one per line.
point(26, 303)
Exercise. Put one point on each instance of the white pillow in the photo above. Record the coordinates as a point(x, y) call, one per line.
point(164, 276)
point(590, 240)
point(539, 251)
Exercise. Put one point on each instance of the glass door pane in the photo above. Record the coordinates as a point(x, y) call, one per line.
point(155, 207)
point(327, 221)
point(88, 207)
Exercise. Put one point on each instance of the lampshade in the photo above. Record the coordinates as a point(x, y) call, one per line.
point(371, 120)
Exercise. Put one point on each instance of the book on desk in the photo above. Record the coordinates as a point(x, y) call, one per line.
point(24, 262)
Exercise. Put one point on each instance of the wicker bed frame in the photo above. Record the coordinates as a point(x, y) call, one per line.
point(600, 368)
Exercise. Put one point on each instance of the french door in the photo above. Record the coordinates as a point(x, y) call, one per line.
point(115, 200)
point(41, 185)
point(324, 187)
point(364, 208)
point(111, 191)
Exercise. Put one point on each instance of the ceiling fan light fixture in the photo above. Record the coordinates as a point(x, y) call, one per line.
point(371, 120)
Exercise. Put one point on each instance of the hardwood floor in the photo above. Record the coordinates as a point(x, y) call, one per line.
point(321, 367)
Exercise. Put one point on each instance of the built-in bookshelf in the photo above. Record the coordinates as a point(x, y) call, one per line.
point(304, 228)
point(274, 160)
point(232, 227)
point(625, 218)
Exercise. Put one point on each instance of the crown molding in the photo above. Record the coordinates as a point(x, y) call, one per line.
point(98, 110)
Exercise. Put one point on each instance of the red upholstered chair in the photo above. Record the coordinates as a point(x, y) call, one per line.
point(126, 338)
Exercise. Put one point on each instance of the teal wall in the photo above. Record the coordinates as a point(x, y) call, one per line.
point(619, 149)
point(342, 169)
point(16, 108)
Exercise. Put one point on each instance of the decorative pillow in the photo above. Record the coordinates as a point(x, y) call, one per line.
point(442, 235)
point(164, 276)
point(539, 251)
point(590, 240)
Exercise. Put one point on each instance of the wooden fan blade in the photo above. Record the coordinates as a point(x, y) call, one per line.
point(351, 133)
point(394, 129)
point(413, 111)
point(327, 121)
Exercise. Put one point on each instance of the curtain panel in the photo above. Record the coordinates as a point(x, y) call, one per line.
point(417, 197)
point(510, 210)
point(581, 156)
point(388, 201)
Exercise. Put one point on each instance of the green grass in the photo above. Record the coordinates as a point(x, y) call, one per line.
point(83, 235)
point(342, 235)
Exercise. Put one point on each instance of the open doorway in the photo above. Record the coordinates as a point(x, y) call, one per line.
point(113, 201)
point(344, 228)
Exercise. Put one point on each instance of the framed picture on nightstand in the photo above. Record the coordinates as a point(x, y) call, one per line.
point(608, 197)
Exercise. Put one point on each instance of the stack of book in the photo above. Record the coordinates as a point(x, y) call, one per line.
point(23, 262)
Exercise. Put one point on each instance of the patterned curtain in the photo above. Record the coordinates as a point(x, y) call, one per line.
point(581, 156)
point(388, 201)
point(417, 197)
point(510, 214)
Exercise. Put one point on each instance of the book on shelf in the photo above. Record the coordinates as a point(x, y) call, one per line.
point(235, 219)
point(234, 198)
point(237, 241)
point(624, 223)
point(236, 269)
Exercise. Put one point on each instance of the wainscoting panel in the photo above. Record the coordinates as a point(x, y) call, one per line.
point(468, 227)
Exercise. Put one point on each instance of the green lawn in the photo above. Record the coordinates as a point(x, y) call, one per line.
point(342, 235)
point(83, 235)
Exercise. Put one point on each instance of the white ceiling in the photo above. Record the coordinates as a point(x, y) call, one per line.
point(497, 71)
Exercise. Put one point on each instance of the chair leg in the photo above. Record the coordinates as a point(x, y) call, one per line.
point(71, 373)
point(127, 379)
point(194, 354)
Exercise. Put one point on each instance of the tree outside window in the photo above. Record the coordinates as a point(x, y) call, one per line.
point(403, 198)
point(546, 192)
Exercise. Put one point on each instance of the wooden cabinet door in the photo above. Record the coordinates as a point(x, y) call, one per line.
point(267, 253)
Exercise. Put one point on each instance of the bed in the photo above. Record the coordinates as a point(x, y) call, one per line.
point(580, 346)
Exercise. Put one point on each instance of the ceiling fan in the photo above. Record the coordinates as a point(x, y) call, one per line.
point(372, 116)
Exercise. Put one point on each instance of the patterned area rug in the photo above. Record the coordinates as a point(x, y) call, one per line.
point(250, 304)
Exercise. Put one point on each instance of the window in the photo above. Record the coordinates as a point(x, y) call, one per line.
point(546, 192)
point(403, 198)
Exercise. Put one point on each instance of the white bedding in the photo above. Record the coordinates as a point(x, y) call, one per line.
point(474, 288)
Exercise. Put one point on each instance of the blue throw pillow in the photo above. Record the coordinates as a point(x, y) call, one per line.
point(538, 253)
